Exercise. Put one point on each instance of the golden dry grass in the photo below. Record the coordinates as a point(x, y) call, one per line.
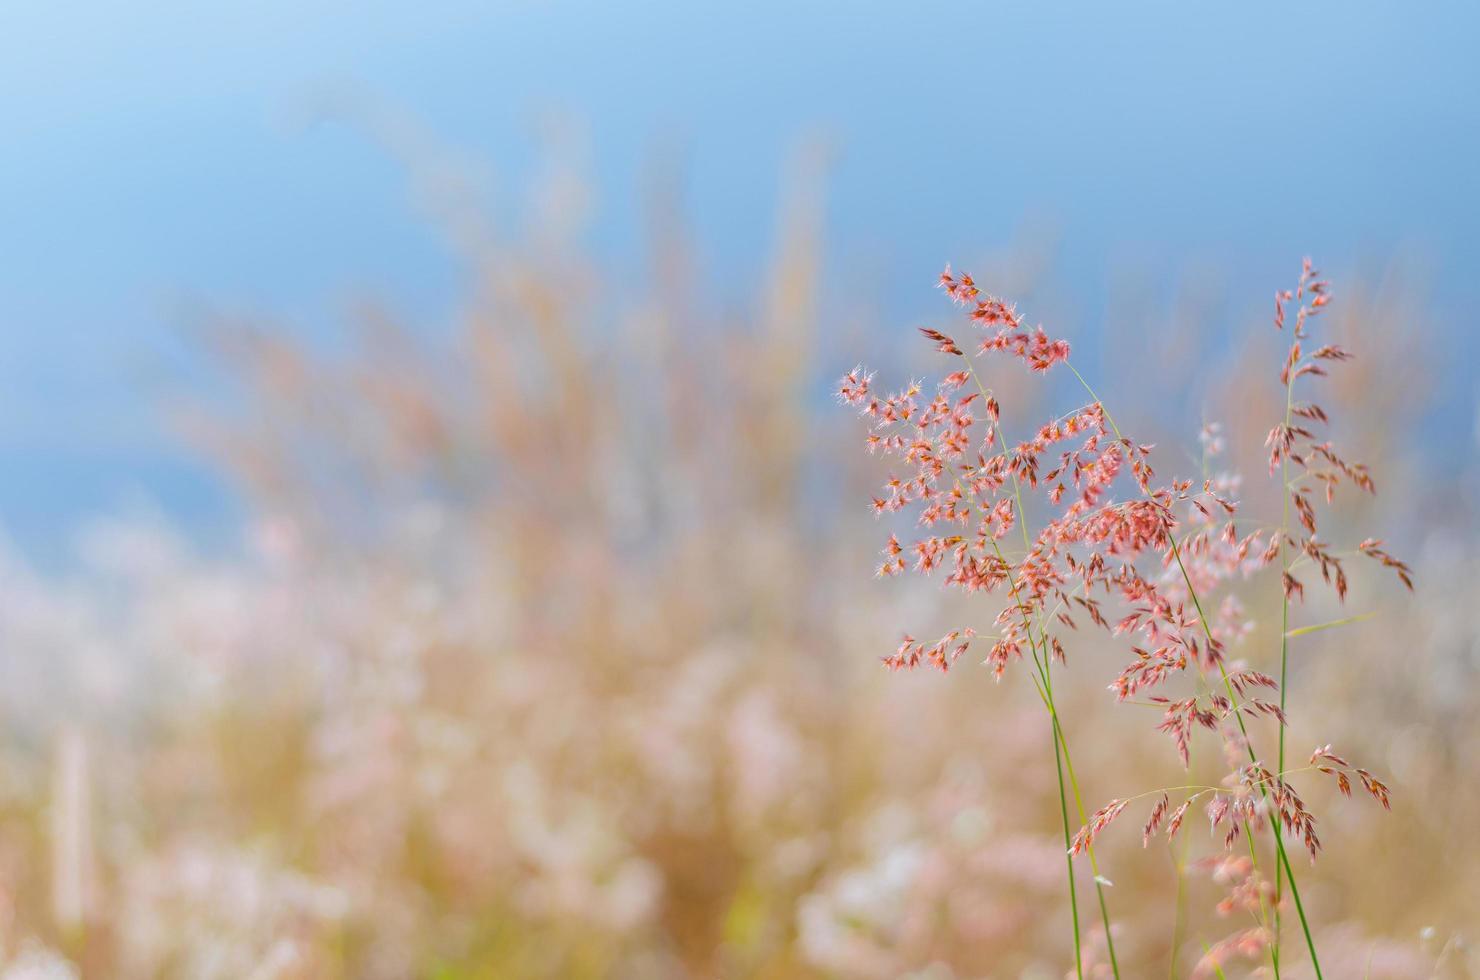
point(553, 651)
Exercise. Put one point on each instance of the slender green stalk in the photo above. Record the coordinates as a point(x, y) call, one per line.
point(1064, 763)
point(1284, 628)
point(1304, 630)
point(1068, 857)
point(1094, 864)
point(1274, 948)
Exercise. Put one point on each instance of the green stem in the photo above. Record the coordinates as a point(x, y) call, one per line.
point(1093, 861)
point(1068, 857)
point(1285, 634)
point(1094, 864)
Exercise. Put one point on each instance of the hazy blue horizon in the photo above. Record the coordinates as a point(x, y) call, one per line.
point(154, 157)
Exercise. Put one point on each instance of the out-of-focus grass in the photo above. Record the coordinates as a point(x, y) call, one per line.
point(552, 651)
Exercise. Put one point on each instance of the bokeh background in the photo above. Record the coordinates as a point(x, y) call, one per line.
point(430, 549)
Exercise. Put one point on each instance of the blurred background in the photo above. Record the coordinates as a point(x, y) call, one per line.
point(428, 546)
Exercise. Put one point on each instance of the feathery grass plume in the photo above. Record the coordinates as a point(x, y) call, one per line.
point(1119, 542)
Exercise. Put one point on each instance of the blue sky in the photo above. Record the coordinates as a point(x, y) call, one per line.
point(156, 155)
